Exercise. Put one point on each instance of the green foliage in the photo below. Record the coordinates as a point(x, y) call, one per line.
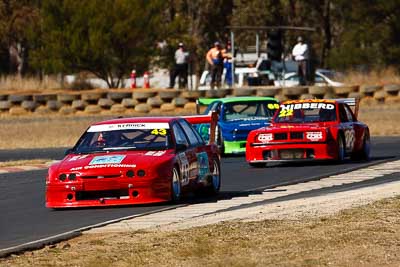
point(108, 38)
point(18, 18)
point(111, 37)
point(370, 35)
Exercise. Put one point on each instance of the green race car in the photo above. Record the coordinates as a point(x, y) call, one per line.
point(237, 117)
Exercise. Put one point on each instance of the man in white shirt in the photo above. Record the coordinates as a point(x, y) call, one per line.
point(301, 56)
point(180, 68)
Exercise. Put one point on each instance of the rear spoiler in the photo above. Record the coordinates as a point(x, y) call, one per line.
point(204, 102)
point(352, 102)
point(211, 118)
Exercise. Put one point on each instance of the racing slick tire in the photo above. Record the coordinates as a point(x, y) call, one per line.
point(215, 183)
point(257, 164)
point(176, 186)
point(341, 148)
point(364, 152)
point(220, 141)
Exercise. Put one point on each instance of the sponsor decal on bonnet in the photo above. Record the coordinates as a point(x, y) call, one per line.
point(114, 159)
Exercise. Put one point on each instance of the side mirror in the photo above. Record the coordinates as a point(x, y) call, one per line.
point(68, 151)
point(181, 147)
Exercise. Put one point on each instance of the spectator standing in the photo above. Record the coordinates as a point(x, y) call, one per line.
point(215, 58)
point(180, 69)
point(227, 54)
point(301, 56)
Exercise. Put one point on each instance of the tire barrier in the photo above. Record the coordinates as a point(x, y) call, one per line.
point(243, 92)
point(155, 101)
point(369, 90)
point(319, 91)
point(294, 92)
point(269, 92)
point(168, 102)
point(105, 103)
point(217, 93)
point(392, 89)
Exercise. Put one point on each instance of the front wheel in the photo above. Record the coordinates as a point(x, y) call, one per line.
point(176, 186)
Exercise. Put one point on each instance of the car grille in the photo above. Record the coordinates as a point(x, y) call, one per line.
point(280, 136)
point(100, 176)
point(296, 135)
point(291, 153)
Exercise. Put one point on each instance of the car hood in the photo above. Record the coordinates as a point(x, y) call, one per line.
point(113, 160)
point(238, 130)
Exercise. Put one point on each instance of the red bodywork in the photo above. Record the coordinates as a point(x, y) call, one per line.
point(307, 141)
point(140, 176)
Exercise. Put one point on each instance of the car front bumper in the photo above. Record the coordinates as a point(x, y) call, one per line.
point(234, 147)
point(290, 152)
point(107, 193)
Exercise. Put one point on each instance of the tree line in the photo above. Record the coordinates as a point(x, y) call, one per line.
point(109, 38)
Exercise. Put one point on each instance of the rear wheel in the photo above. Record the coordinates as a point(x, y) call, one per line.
point(213, 181)
point(176, 186)
point(215, 178)
point(220, 141)
point(341, 149)
point(364, 152)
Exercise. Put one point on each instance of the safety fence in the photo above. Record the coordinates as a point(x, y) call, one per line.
point(170, 102)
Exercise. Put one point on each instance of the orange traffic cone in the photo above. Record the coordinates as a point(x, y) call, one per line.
point(146, 80)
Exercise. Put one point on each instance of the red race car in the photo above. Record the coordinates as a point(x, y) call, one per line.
point(306, 130)
point(135, 160)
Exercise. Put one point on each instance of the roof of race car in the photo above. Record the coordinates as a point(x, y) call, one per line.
point(136, 120)
point(207, 101)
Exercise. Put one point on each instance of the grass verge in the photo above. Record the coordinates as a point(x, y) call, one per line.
point(365, 236)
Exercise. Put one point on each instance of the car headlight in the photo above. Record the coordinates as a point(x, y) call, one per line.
point(130, 173)
point(72, 177)
point(141, 173)
point(62, 177)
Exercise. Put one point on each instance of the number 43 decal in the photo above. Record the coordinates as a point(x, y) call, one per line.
point(159, 132)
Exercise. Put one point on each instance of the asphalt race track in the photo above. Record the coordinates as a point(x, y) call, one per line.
point(24, 217)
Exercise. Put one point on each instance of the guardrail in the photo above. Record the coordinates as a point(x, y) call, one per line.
point(165, 101)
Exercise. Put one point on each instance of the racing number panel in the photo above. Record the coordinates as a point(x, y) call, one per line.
point(347, 121)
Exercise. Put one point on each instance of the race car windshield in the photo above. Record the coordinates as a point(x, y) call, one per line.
point(127, 139)
point(306, 112)
point(249, 110)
